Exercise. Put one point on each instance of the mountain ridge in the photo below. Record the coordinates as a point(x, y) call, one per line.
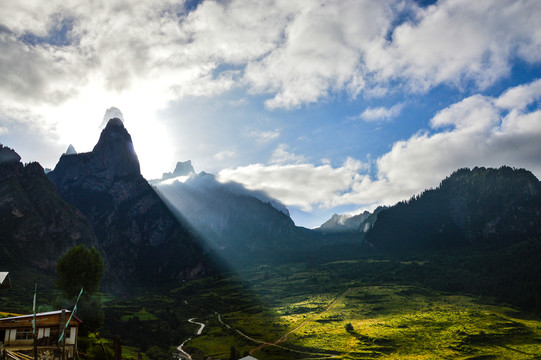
point(481, 206)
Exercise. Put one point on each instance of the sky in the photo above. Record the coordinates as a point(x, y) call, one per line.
point(327, 106)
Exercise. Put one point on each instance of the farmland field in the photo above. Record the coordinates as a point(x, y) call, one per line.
point(335, 310)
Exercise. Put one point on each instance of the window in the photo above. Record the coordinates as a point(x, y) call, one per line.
point(24, 334)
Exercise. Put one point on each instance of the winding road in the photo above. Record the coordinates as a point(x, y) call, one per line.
point(183, 354)
point(202, 326)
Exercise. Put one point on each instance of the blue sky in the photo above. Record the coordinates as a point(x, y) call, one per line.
point(328, 106)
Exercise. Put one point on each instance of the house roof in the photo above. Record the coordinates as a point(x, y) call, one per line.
point(44, 314)
point(3, 276)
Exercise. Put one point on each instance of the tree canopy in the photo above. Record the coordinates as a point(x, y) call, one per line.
point(80, 267)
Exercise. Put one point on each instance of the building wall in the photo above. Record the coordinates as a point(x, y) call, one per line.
point(73, 336)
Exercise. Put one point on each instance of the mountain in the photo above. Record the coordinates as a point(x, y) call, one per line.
point(71, 150)
point(477, 207)
point(36, 224)
point(183, 168)
point(243, 226)
point(343, 223)
point(140, 238)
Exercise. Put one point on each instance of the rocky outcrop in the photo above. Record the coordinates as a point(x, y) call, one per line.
point(343, 222)
point(140, 238)
point(36, 224)
point(183, 168)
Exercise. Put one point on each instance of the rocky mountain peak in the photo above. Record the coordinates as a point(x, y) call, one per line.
point(70, 151)
point(183, 168)
point(114, 151)
point(139, 236)
point(8, 156)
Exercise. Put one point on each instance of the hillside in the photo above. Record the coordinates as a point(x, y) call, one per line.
point(37, 225)
point(478, 207)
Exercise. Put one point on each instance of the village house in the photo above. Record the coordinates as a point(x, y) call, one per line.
point(16, 335)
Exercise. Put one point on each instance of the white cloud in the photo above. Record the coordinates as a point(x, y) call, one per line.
point(226, 154)
point(458, 41)
point(477, 131)
point(381, 113)
point(111, 113)
point(303, 185)
point(322, 51)
point(281, 155)
point(265, 136)
point(297, 52)
point(521, 96)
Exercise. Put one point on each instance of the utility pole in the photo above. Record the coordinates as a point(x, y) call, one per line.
point(35, 325)
point(60, 331)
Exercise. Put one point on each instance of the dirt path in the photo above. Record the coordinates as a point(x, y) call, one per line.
point(183, 354)
point(202, 326)
point(284, 337)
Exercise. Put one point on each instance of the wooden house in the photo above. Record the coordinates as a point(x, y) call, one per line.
point(16, 335)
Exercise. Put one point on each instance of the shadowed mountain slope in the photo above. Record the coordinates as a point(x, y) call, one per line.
point(471, 207)
point(139, 236)
point(242, 226)
point(36, 224)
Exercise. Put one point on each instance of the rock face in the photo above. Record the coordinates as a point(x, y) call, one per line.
point(140, 238)
point(344, 223)
point(183, 168)
point(70, 150)
point(36, 224)
point(241, 226)
point(480, 207)
point(350, 224)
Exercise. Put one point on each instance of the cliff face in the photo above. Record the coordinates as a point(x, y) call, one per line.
point(471, 207)
point(139, 237)
point(36, 224)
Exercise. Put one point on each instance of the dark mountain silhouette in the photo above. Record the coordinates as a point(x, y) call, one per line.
point(36, 224)
point(242, 226)
point(140, 238)
point(471, 207)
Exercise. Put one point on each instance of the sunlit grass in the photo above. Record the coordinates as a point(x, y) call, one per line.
point(389, 322)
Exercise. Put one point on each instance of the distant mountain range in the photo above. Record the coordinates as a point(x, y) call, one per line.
point(344, 223)
point(187, 224)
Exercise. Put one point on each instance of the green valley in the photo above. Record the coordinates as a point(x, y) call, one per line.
point(299, 311)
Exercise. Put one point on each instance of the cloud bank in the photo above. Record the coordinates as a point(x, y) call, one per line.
point(294, 52)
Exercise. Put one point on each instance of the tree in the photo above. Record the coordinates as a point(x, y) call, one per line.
point(80, 267)
point(349, 328)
